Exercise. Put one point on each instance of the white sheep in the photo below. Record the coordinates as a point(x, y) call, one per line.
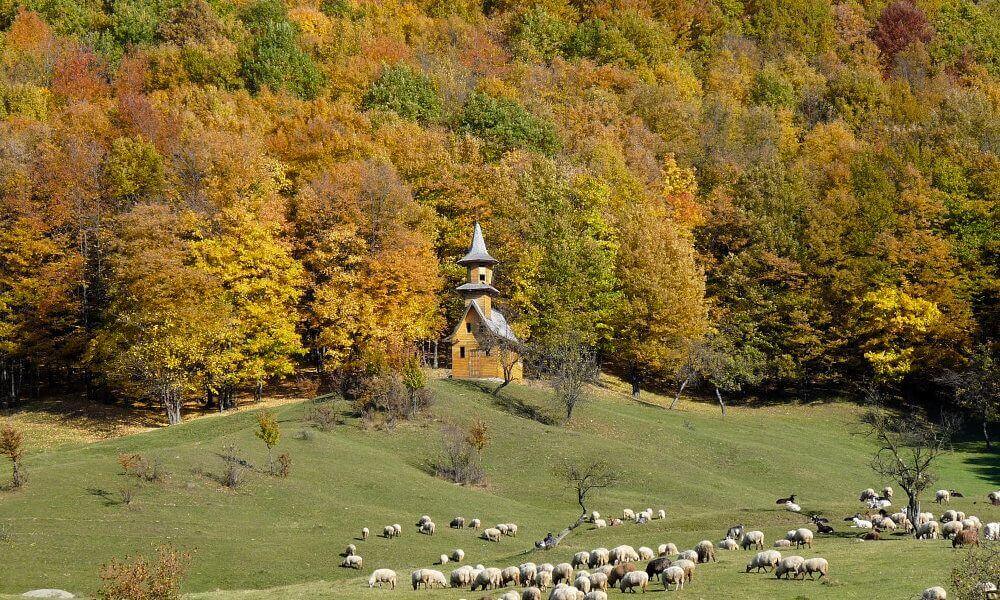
point(352, 562)
point(564, 592)
point(512, 529)
point(351, 550)
point(752, 539)
point(580, 559)
point(768, 559)
point(792, 507)
point(992, 532)
point(688, 566)
point(942, 496)
point(788, 566)
point(582, 582)
point(382, 576)
point(531, 593)
point(803, 537)
point(867, 494)
point(475, 524)
point(628, 514)
point(645, 553)
point(972, 522)
point(364, 533)
point(688, 555)
point(492, 534)
point(457, 555)
point(501, 527)
point(783, 543)
point(462, 576)
point(543, 579)
point(428, 528)
point(599, 581)
point(594, 515)
point(887, 492)
point(924, 517)
point(428, 577)
point(934, 593)
point(511, 595)
point(528, 572)
point(457, 523)
point(705, 550)
point(666, 549)
point(813, 565)
point(930, 530)
point(949, 515)
point(994, 498)
point(728, 544)
point(397, 528)
point(860, 523)
point(510, 575)
point(595, 595)
point(674, 575)
point(443, 559)
point(563, 572)
point(886, 523)
point(423, 519)
point(600, 523)
point(661, 514)
point(389, 532)
point(951, 529)
point(599, 557)
point(622, 554)
point(490, 578)
point(632, 580)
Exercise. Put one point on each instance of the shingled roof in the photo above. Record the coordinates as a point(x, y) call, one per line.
point(477, 254)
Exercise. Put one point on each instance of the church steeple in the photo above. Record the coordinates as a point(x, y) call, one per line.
point(479, 284)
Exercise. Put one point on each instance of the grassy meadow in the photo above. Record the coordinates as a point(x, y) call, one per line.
point(282, 538)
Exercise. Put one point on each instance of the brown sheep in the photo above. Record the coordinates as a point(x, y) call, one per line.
point(966, 537)
point(618, 572)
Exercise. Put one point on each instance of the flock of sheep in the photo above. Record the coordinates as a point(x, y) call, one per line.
point(590, 575)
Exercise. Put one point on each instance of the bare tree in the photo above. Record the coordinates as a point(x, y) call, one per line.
point(507, 351)
point(908, 446)
point(716, 361)
point(569, 367)
point(585, 479)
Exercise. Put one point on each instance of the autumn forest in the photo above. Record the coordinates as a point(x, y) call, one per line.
point(199, 198)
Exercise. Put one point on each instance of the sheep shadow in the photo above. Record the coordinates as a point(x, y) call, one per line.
point(104, 495)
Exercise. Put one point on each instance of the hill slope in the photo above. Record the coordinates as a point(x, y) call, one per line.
point(707, 471)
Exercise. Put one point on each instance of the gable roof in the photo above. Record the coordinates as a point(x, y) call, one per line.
point(496, 322)
point(477, 253)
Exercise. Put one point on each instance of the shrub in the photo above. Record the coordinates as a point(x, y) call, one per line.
point(234, 467)
point(387, 394)
point(323, 417)
point(979, 564)
point(284, 465)
point(137, 465)
point(127, 493)
point(12, 446)
point(459, 461)
point(140, 579)
point(504, 125)
point(271, 57)
point(478, 435)
point(269, 433)
point(406, 92)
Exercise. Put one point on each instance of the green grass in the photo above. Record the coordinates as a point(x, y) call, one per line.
point(283, 537)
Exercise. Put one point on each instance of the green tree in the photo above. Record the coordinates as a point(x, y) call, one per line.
point(268, 432)
point(406, 92)
point(504, 125)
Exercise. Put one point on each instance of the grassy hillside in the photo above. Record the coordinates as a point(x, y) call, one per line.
point(284, 536)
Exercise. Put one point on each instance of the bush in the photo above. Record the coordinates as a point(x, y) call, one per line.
point(127, 493)
point(234, 467)
point(137, 465)
point(139, 579)
point(406, 92)
point(389, 394)
point(269, 433)
point(12, 446)
point(323, 417)
point(980, 564)
point(284, 465)
point(504, 125)
point(459, 462)
point(271, 58)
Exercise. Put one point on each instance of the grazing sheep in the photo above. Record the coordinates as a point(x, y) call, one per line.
point(930, 530)
point(735, 532)
point(768, 559)
point(972, 522)
point(898, 517)
point(531, 593)
point(580, 559)
point(501, 527)
point(492, 534)
point(907, 526)
point(582, 582)
point(512, 529)
point(490, 578)
point(966, 537)
point(665, 549)
point(813, 565)
point(351, 550)
point(528, 573)
point(752, 539)
point(688, 567)
point(992, 532)
point(457, 523)
point(645, 553)
point(623, 553)
point(352, 562)
point(443, 559)
point(614, 522)
point(422, 520)
point(951, 529)
point(924, 517)
point(543, 579)
point(705, 551)
point(599, 557)
point(949, 515)
point(934, 593)
point(457, 555)
point(600, 523)
point(475, 524)
point(397, 528)
point(628, 514)
point(428, 528)
point(886, 524)
point(618, 572)
point(942, 496)
point(565, 592)
point(511, 595)
point(691, 555)
point(994, 498)
point(783, 543)
point(389, 532)
point(599, 581)
point(594, 595)
point(364, 533)
point(728, 544)
point(563, 572)
point(547, 567)
point(887, 492)
point(674, 575)
point(867, 495)
point(382, 576)
point(803, 537)
point(462, 576)
point(657, 566)
point(788, 567)
point(635, 579)
point(510, 575)
point(661, 514)
point(428, 577)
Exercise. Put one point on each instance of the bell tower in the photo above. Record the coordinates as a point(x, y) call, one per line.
point(478, 286)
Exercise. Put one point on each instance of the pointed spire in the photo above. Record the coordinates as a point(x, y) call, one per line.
point(477, 255)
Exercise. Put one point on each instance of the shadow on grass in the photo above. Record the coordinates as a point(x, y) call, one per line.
point(507, 401)
point(104, 495)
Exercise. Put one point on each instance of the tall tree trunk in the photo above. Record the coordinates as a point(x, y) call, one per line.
point(172, 403)
point(680, 391)
point(258, 394)
point(635, 380)
point(721, 403)
point(912, 508)
point(986, 434)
